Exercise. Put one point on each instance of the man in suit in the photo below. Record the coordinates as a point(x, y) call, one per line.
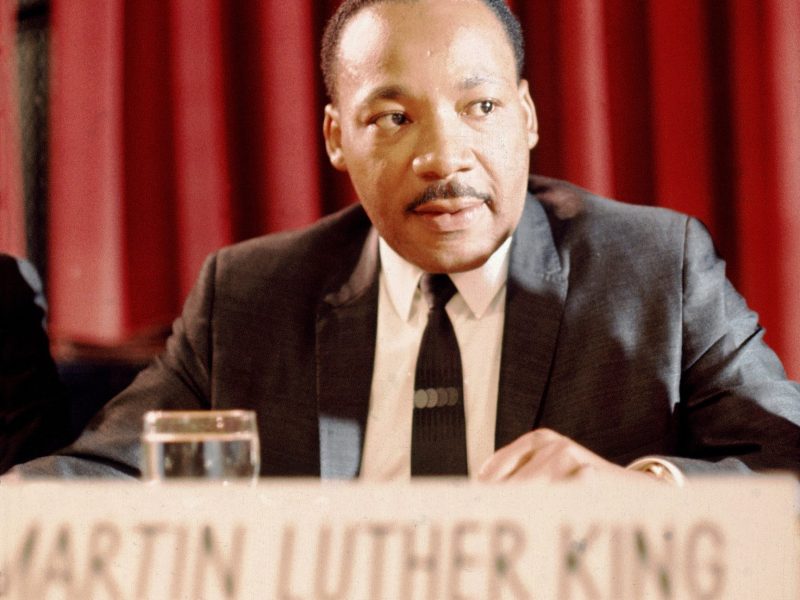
point(33, 406)
point(593, 335)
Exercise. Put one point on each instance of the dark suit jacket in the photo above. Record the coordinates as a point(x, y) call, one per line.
point(621, 331)
point(34, 417)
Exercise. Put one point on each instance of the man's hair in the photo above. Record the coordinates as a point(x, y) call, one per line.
point(349, 8)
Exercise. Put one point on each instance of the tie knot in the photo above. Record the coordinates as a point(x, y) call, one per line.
point(437, 289)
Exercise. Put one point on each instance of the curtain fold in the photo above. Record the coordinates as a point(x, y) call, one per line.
point(89, 295)
point(181, 126)
point(12, 215)
point(586, 119)
point(766, 138)
point(681, 82)
point(197, 77)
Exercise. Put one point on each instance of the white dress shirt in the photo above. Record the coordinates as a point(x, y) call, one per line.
point(477, 312)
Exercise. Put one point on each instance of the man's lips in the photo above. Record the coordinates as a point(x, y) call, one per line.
point(451, 206)
point(450, 216)
point(452, 196)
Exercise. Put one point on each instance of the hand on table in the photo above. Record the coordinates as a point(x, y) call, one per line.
point(547, 455)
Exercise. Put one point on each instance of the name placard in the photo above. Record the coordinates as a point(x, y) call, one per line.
point(717, 539)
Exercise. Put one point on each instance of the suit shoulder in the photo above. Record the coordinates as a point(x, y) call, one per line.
point(304, 257)
point(579, 215)
point(320, 241)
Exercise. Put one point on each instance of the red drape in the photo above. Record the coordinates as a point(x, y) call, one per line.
point(12, 221)
point(183, 125)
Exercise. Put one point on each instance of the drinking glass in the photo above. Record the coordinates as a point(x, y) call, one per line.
point(203, 444)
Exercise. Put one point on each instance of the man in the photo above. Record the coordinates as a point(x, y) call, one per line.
point(33, 406)
point(590, 333)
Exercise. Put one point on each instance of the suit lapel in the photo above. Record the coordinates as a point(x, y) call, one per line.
point(536, 290)
point(346, 328)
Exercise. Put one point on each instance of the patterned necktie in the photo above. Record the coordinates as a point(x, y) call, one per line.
point(438, 440)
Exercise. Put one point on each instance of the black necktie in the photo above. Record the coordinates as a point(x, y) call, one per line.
point(438, 440)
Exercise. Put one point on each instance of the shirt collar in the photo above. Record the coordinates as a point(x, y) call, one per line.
point(477, 287)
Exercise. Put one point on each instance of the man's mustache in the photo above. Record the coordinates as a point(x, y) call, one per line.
point(444, 191)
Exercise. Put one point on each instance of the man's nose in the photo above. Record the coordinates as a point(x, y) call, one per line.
point(443, 149)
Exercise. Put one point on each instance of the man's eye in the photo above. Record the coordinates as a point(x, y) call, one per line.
point(481, 108)
point(391, 120)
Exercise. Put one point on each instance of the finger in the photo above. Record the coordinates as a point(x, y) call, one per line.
point(514, 456)
point(556, 461)
point(507, 459)
point(500, 467)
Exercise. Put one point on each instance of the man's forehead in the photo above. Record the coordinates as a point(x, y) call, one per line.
point(399, 36)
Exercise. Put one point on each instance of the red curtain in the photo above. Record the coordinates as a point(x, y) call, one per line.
point(183, 125)
point(12, 220)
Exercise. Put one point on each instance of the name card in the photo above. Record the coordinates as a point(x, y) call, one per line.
point(717, 539)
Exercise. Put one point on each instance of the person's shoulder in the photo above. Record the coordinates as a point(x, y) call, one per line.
point(565, 201)
point(575, 211)
point(8, 264)
point(309, 253)
point(11, 268)
point(20, 283)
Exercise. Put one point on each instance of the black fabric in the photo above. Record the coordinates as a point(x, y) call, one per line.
point(34, 413)
point(438, 440)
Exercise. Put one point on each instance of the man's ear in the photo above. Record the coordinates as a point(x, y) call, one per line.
point(531, 122)
point(332, 131)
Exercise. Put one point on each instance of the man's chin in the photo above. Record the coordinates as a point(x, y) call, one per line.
point(443, 260)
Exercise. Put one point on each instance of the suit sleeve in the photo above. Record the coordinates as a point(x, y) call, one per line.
point(738, 412)
point(33, 408)
point(176, 380)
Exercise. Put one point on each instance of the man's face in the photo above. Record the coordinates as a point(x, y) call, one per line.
point(433, 128)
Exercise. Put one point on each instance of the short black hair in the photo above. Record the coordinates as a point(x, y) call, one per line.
point(349, 8)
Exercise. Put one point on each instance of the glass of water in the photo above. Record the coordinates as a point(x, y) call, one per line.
point(201, 444)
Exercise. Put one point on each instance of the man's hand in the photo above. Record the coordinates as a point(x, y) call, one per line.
point(545, 454)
